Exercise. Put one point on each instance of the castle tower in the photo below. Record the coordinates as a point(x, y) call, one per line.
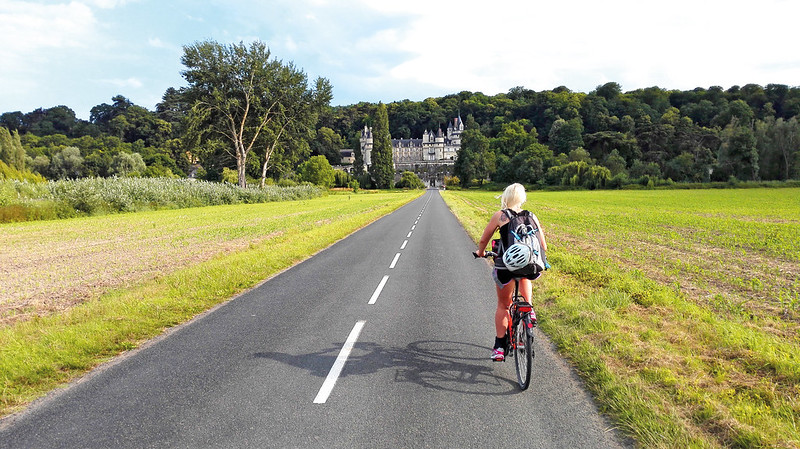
point(366, 145)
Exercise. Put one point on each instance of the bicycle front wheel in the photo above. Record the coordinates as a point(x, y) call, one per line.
point(523, 351)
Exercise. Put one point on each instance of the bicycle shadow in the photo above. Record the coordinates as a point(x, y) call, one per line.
point(435, 364)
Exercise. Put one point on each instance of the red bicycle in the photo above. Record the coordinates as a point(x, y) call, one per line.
point(520, 333)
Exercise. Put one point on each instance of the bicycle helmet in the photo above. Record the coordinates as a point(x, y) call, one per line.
point(517, 256)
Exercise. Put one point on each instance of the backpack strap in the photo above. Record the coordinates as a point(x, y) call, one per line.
point(511, 214)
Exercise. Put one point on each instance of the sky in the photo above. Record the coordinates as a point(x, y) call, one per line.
point(81, 53)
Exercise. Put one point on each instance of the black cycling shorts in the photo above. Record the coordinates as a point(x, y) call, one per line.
point(503, 277)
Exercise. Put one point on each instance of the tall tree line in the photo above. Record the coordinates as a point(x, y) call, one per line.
point(606, 137)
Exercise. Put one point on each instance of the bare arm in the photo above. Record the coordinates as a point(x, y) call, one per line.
point(495, 222)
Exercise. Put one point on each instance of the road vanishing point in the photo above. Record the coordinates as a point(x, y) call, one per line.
point(381, 340)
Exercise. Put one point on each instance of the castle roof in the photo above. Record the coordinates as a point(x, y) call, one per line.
point(406, 142)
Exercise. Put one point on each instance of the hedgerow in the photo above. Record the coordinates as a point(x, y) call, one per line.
point(24, 201)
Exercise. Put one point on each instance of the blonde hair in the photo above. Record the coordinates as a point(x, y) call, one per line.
point(513, 197)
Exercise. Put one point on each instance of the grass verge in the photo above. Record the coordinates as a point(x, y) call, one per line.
point(43, 352)
point(662, 358)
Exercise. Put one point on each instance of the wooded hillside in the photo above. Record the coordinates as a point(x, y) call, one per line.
point(604, 138)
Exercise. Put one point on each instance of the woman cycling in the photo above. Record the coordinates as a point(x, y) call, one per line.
point(511, 202)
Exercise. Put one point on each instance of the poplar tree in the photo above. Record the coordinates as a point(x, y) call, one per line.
point(11, 151)
point(382, 169)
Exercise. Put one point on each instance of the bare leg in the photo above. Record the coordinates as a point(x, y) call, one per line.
point(526, 289)
point(504, 296)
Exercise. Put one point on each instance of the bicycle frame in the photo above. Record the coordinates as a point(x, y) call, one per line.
point(520, 309)
point(519, 346)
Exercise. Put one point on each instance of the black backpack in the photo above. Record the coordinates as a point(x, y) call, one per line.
point(522, 230)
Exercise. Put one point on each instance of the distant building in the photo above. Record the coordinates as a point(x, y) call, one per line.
point(348, 157)
point(437, 148)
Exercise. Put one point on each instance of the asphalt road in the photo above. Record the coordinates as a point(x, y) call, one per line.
point(271, 368)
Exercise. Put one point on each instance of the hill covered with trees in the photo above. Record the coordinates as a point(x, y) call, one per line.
point(608, 138)
point(604, 138)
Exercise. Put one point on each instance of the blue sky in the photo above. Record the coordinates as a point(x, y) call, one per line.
point(81, 53)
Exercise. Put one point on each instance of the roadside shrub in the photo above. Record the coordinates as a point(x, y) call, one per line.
point(451, 181)
point(341, 178)
point(317, 170)
point(22, 201)
point(230, 176)
point(409, 180)
point(8, 172)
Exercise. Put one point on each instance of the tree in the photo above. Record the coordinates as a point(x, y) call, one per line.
point(173, 107)
point(56, 120)
point(778, 142)
point(317, 170)
point(329, 144)
point(11, 151)
point(565, 135)
point(128, 164)
point(609, 91)
point(382, 168)
point(102, 114)
point(601, 144)
point(615, 163)
point(13, 121)
point(513, 138)
point(681, 168)
point(137, 123)
point(358, 165)
point(409, 180)
point(738, 152)
point(67, 163)
point(475, 158)
point(244, 96)
point(296, 113)
point(529, 166)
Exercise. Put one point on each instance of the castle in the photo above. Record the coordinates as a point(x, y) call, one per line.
point(432, 149)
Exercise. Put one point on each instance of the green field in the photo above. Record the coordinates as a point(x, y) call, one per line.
point(680, 309)
point(78, 292)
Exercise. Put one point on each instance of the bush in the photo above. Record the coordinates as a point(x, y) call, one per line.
point(341, 178)
point(91, 196)
point(7, 172)
point(451, 181)
point(409, 180)
point(230, 176)
point(317, 170)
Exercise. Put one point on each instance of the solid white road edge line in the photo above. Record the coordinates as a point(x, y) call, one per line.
point(394, 261)
point(336, 369)
point(378, 290)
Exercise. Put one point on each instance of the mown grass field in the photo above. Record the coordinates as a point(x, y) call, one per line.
point(680, 309)
point(75, 293)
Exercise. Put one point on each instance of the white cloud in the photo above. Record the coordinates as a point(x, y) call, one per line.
point(29, 26)
point(156, 42)
point(108, 4)
point(124, 83)
point(493, 46)
point(34, 38)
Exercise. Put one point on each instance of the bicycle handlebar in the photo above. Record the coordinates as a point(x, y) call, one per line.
point(487, 254)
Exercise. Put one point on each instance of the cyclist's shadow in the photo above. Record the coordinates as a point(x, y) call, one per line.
point(440, 365)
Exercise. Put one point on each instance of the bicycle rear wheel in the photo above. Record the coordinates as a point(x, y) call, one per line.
point(523, 351)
